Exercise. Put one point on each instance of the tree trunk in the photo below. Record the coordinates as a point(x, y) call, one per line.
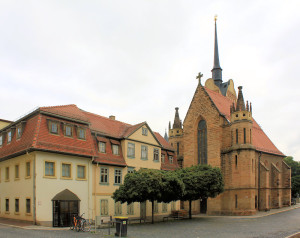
point(190, 209)
point(152, 212)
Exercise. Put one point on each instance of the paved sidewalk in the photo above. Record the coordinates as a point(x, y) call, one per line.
point(26, 225)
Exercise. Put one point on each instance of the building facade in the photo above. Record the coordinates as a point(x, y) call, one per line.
point(219, 130)
point(61, 161)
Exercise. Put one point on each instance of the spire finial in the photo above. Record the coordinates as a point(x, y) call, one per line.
point(217, 70)
point(240, 105)
point(177, 123)
point(216, 18)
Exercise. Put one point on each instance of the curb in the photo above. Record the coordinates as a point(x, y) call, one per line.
point(293, 235)
point(35, 228)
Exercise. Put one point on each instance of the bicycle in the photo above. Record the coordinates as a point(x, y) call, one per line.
point(78, 223)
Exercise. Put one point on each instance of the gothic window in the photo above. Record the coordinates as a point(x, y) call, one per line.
point(202, 142)
point(244, 135)
point(236, 136)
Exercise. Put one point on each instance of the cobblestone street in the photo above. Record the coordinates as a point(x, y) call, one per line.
point(278, 225)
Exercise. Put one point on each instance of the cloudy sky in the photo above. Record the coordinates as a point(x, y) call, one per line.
point(138, 59)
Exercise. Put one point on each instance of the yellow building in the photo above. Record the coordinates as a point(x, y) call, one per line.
point(61, 161)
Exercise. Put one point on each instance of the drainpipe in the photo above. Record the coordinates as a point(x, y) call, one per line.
point(258, 185)
point(33, 189)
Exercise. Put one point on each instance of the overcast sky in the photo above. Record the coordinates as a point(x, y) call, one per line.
point(138, 59)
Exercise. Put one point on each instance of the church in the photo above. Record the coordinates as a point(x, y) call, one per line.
point(219, 130)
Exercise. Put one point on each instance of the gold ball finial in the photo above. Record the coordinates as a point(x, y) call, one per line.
point(216, 17)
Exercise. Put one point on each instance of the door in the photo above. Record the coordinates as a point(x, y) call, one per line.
point(143, 210)
point(203, 205)
point(63, 211)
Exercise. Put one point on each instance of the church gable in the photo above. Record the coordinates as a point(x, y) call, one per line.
point(202, 110)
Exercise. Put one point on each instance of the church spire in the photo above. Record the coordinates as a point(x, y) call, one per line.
point(217, 70)
point(177, 122)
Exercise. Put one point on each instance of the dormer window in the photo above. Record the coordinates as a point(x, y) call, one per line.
point(53, 127)
point(19, 131)
point(9, 136)
point(171, 159)
point(68, 130)
point(163, 158)
point(115, 149)
point(144, 131)
point(102, 147)
point(81, 133)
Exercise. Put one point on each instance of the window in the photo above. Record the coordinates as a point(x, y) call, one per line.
point(118, 176)
point(81, 133)
point(236, 161)
point(202, 142)
point(17, 205)
point(244, 135)
point(49, 168)
point(131, 150)
point(155, 207)
point(118, 208)
point(66, 170)
point(178, 148)
point(19, 131)
point(17, 174)
point(156, 155)
point(144, 152)
point(7, 173)
point(7, 205)
point(104, 207)
point(104, 175)
point(250, 136)
point(68, 130)
point(173, 206)
point(102, 147)
point(171, 159)
point(236, 201)
point(9, 137)
point(130, 209)
point(28, 205)
point(115, 149)
point(54, 127)
point(236, 136)
point(164, 207)
point(144, 131)
point(1, 140)
point(162, 158)
point(27, 168)
point(81, 174)
point(130, 170)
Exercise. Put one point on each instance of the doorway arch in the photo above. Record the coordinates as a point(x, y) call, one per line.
point(65, 205)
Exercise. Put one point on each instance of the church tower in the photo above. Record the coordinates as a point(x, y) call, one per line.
point(176, 137)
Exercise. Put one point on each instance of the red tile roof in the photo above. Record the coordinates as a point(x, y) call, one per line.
point(259, 139)
point(167, 165)
point(70, 111)
point(166, 145)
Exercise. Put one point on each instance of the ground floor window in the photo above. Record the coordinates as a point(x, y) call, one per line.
point(17, 205)
point(28, 205)
point(104, 207)
point(7, 205)
point(130, 209)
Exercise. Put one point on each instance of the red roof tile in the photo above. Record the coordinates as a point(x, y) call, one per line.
point(69, 111)
point(259, 139)
point(167, 165)
point(163, 142)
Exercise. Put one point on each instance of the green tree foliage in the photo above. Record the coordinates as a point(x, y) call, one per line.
point(295, 185)
point(200, 182)
point(149, 184)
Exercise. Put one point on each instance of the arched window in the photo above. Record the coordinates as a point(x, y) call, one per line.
point(202, 142)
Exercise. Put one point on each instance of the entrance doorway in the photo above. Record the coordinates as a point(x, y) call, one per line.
point(203, 205)
point(65, 206)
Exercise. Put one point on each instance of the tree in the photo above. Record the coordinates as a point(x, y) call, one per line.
point(149, 184)
point(295, 186)
point(200, 182)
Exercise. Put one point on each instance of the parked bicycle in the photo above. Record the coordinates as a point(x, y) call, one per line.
point(79, 223)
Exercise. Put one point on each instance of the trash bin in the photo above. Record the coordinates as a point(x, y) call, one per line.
point(121, 226)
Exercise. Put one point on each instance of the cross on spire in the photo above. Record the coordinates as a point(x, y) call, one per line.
point(199, 76)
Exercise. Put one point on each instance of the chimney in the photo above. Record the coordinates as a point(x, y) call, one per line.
point(112, 117)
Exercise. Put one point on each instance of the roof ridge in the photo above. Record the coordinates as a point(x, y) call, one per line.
point(58, 106)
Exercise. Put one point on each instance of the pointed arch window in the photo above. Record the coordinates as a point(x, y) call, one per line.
point(202, 142)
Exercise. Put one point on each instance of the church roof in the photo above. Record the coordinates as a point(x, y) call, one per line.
point(259, 139)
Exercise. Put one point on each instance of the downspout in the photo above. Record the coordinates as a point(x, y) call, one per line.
point(258, 185)
point(33, 189)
